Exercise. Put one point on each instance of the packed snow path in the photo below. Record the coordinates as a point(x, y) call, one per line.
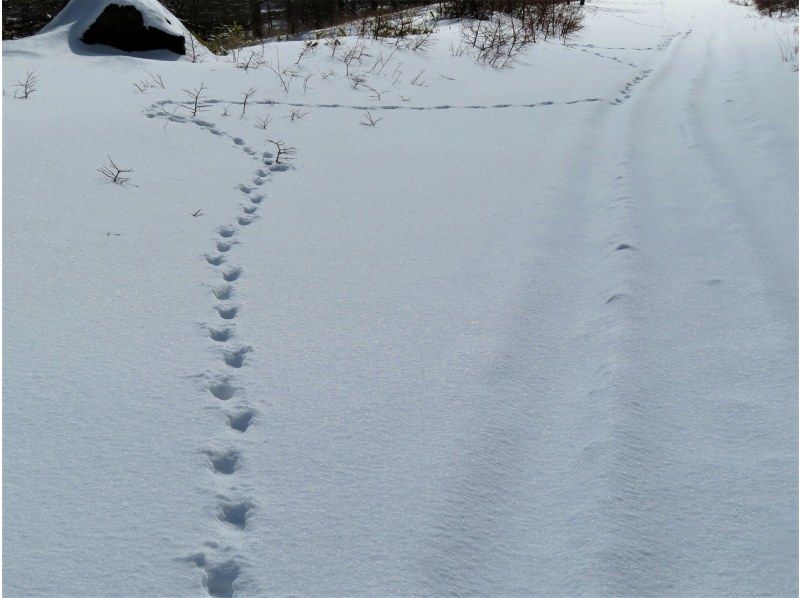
point(547, 347)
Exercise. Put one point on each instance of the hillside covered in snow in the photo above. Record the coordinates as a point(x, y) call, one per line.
point(358, 316)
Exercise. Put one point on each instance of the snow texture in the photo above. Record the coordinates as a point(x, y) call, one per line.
point(533, 333)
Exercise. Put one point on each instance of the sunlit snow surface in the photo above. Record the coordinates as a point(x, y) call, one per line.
point(534, 333)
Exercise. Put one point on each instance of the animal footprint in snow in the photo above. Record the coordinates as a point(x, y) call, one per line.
point(223, 292)
point(231, 274)
point(224, 462)
point(241, 421)
point(221, 390)
point(226, 232)
point(218, 577)
point(220, 335)
point(249, 210)
point(235, 358)
point(227, 312)
point(215, 260)
point(236, 513)
point(244, 221)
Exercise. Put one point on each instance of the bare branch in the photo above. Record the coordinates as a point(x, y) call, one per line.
point(263, 123)
point(369, 120)
point(26, 87)
point(296, 114)
point(195, 97)
point(246, 95)
point(285, 153)
point(114, 173)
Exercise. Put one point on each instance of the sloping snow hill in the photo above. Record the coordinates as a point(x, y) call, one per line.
point(532, 333)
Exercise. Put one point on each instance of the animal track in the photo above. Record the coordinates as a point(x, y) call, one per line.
point(231, 274)
point(223, 292)
point(227, 312)
point(623, 247)
point(218, 578)
point(236, 513)
point(220, 335)
point(235, 358)
point(220, 571)
point(221, 390)
point(241, 421)
point(224, 462)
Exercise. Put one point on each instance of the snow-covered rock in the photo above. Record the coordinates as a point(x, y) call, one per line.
point(127, 25)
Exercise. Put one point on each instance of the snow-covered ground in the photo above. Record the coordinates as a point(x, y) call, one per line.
point(533, 333)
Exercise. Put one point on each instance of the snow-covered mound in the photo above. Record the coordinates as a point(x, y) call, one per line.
point(127, 25)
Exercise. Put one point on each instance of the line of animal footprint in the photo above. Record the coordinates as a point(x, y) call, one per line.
point(220, 565)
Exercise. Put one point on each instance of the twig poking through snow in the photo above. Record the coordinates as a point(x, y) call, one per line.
point(370, 121)
point(114, 173)
point(26, 87)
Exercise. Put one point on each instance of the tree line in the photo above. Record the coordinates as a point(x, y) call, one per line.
point(213, 20)
point(208, 18)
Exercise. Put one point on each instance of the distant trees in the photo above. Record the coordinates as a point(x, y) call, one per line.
point(25, 17)
point(772, 7)
point(227, 23)
point(211, 18)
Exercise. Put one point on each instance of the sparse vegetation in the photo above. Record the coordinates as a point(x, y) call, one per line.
point(246, 96)
point(369, 120)
point(496, 32)
point(27, 86)
point(263, 123)
point(284, 153)
point(114, 173)
point(787, 40)
point(195, 98)
point(776, 7)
